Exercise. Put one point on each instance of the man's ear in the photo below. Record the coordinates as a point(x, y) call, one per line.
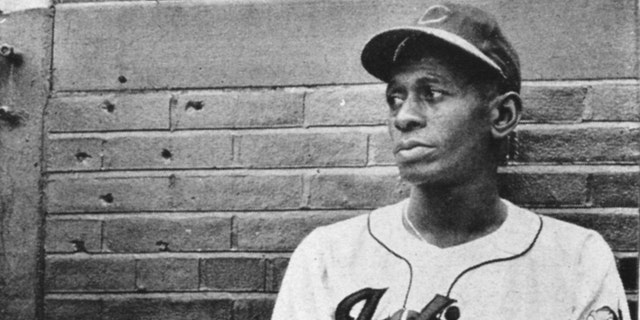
point(506, 110)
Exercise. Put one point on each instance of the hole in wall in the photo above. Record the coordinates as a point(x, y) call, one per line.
point(82, 156)
point(107, 198)
point(166, 154)
point(196, 105)
point(12, 117)
point(122, 79)
point(163, 246)
point(78, 245)
point(108, 106)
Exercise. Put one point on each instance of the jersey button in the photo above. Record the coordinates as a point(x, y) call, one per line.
point(452, 313)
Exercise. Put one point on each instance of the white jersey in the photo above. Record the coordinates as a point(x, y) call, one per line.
point(531, 267)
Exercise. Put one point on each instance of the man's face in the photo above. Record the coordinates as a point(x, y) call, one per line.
point(439, 124)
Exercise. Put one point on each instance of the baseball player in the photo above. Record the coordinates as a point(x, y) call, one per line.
point(454, 249)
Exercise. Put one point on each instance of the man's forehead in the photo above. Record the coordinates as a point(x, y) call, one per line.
point(431, 68)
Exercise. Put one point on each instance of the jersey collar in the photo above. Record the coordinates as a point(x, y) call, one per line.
point(514, 236)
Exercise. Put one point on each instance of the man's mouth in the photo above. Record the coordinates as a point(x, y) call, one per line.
point(410, 144)
point(412, 150)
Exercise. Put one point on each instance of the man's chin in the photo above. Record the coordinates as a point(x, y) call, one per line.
point(417, 176)
point(431, 174)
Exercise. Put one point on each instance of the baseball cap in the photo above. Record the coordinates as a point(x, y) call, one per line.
point(469, 29)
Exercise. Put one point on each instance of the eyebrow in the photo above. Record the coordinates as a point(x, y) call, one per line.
point(430, 80)
point(392, 87)
point(422, 81)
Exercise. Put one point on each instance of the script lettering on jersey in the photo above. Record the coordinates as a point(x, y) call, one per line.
point(370, 296)
point(605, 313)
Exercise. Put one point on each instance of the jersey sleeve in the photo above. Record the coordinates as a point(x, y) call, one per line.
point(601, 295)
point(303, 293)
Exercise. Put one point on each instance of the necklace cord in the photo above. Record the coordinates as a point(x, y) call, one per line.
point(405, 217)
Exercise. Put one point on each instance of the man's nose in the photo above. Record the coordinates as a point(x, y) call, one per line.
point(409, 117)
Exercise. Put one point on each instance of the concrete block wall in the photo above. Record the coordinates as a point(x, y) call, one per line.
point(190, 146)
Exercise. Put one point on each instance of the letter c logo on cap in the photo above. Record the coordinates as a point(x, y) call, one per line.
point(434, 14)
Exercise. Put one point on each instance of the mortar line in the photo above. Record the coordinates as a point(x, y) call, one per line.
point(233, 235)
point(221, 131)
point(199, 273)
point(234, 159)
point(588, 201)
point(162, 173)
point(527, 82)
point(102, 242)
point(173, 101)
point(306, 191)
point(39, 288)
point(101, 295)
point(305, 121)
point(136, 263)
point(367, 151)
point(161, 255)
point(265, 269)
point(296, 213)
point(327, 129)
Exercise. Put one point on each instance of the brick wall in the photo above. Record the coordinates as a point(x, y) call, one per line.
point(191, 145)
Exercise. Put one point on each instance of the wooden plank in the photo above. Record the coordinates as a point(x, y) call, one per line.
point(136, 45)
point(24, 88)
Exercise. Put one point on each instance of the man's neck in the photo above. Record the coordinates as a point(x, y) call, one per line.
point(446, 216)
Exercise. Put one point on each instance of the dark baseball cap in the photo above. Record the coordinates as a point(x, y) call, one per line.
point(469, 29)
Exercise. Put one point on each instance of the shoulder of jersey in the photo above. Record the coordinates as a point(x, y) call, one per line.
point(570, 237)
point(353, 227)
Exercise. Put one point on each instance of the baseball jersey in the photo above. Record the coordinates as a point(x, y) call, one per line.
point(531, 267)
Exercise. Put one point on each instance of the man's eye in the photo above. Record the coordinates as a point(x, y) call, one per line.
point(394, 102)
point(432, 95)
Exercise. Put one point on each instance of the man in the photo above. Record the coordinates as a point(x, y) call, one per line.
point(454, 249)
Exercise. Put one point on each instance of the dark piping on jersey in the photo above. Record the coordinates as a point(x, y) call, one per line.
point(397, 255)
point(429, 312)
point(497, 260)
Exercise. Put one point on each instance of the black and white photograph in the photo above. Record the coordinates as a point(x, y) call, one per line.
point(319, 159)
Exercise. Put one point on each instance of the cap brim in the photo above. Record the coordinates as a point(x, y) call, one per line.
point(378, 54)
